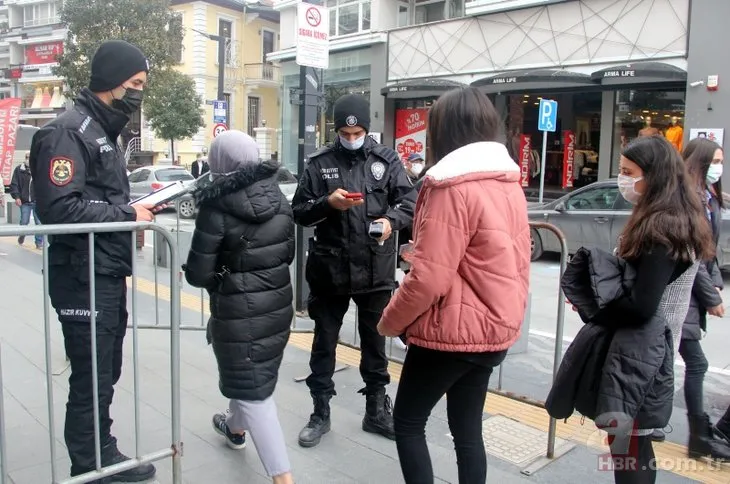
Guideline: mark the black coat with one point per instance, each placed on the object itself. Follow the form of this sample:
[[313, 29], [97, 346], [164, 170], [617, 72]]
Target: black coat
[[611, 368], [704, 294], [342, 258], [21, 185], [80, 176], [241, 251], [196, 171]]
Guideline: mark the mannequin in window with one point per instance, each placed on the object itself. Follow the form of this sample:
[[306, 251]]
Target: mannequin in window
[[648, 129], [675, 133]]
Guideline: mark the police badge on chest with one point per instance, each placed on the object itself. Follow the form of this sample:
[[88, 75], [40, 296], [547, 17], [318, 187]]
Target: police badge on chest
[[377, 169]]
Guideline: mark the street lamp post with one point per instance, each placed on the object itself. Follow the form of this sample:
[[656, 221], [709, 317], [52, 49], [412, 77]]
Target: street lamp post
[[221, 60]]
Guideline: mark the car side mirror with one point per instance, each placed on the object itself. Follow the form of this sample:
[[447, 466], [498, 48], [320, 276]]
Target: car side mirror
[[560, 207]]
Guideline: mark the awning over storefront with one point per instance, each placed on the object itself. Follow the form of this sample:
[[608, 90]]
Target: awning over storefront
[[533, 79], [640, 73], [419, 88]]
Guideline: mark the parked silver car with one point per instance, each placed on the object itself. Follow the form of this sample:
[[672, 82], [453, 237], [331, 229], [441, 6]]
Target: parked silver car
[[594, 216], [147, 179]]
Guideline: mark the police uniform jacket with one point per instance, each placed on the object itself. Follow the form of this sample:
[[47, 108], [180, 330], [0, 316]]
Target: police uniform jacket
[[80, 176], [343, 259]]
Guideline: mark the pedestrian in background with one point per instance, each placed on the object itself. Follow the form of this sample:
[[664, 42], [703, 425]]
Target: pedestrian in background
[[462, 304], [704, 159], [345, 188], [241, 250], [80, 176], [21, 189]]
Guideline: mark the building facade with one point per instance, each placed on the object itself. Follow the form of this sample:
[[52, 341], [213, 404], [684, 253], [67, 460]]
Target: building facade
[[31, 37], [615, 67], [252, 84]]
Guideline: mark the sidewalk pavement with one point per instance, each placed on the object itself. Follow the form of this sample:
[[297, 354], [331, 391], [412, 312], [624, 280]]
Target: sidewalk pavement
[[513, 430]]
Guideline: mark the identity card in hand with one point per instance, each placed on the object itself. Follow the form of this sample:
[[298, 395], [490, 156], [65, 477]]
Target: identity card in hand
[[164, 195]]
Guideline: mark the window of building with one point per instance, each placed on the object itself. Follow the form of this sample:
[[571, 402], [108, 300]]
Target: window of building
[[254, 114], [41, 14], [430, 11], [646, 112], [349, 16], [404, 14], [268, 44], [225, 29]]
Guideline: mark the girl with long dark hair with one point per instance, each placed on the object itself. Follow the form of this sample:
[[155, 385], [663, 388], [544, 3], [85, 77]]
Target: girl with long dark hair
[[704, 160], [663, 240]]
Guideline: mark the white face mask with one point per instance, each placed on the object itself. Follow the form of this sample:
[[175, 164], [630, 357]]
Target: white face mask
[[416, 168], [627, 187], [354, 145], [714, 173]]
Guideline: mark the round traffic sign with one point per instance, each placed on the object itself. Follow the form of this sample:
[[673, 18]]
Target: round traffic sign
[[314, 18], [219, 128]]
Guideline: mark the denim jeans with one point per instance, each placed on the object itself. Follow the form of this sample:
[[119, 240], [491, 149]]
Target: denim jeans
[[26, 210], [427, 376]]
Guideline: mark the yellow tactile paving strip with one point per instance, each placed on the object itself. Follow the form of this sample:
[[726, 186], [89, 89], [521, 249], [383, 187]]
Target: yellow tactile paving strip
[[670, 456]]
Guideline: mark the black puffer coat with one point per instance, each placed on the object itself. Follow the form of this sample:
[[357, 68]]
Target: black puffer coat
[[241, 251], [611, 368]]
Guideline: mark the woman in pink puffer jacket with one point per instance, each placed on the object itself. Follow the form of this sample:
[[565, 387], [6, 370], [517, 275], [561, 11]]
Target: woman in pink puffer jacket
[[462, 304]]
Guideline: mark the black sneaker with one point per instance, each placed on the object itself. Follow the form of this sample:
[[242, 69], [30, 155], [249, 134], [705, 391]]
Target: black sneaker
[[234, 441], [21, 240], [112, 456]]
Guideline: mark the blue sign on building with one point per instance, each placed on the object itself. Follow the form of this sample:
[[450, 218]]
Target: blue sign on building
[[220, 109], [547, 119]]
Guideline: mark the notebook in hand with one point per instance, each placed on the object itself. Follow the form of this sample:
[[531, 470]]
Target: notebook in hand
[[164, 195]]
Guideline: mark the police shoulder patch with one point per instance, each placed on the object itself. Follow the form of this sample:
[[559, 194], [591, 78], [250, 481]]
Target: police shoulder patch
[[378, 170], [61, 171]]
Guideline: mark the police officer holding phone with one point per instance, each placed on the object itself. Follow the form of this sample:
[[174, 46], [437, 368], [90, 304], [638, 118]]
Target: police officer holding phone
[[355, 192], [80, 176]]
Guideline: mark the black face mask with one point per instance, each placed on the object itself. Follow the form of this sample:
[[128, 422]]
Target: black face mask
[[130, 102]]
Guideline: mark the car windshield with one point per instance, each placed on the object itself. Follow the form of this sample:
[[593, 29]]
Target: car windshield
[[173, 174]]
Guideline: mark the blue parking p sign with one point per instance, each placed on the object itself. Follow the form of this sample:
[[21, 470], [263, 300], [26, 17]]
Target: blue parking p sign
[[547, 116]]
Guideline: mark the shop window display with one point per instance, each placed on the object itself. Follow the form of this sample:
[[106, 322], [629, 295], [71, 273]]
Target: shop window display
[[572, 151], [43, 96], [648, 113]]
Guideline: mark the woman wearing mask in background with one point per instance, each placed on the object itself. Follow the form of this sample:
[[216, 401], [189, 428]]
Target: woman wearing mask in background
[[241, 250], [463, 301], [663, 239], [704, 160]]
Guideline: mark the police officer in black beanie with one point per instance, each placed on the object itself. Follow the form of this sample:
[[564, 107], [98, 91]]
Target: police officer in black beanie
[[345, 187], [80, 176]]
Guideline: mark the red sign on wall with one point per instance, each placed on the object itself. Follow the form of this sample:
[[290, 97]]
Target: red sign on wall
[[568, 158], [43, 53], [9, 115], [525, 154], [410, 132]]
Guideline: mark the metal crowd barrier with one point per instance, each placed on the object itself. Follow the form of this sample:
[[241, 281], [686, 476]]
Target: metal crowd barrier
[[174, 451]]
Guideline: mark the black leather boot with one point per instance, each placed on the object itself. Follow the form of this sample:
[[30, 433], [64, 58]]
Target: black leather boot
[[110, 456], [722, 428], [378, 413], [319, 422], [701, 441]]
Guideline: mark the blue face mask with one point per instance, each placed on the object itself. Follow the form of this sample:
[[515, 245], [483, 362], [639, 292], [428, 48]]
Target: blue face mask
[[353, 145]]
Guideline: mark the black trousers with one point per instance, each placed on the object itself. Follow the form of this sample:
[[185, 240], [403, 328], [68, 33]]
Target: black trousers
[[327, 313], [637, 465], [427, 376], [69, 291], [695, 367]]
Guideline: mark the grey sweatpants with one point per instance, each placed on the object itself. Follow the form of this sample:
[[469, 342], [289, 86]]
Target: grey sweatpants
[[261, 421]]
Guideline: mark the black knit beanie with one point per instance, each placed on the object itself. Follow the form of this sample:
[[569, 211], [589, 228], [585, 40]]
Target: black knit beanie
[[114, 62], [352, 110]]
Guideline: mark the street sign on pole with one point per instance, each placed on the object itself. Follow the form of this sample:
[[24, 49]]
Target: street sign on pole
[[220, 109], [218, 129], [547, 120], [313, 30]]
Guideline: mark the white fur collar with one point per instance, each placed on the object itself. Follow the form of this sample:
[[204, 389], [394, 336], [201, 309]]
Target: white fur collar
[[482, 157]]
